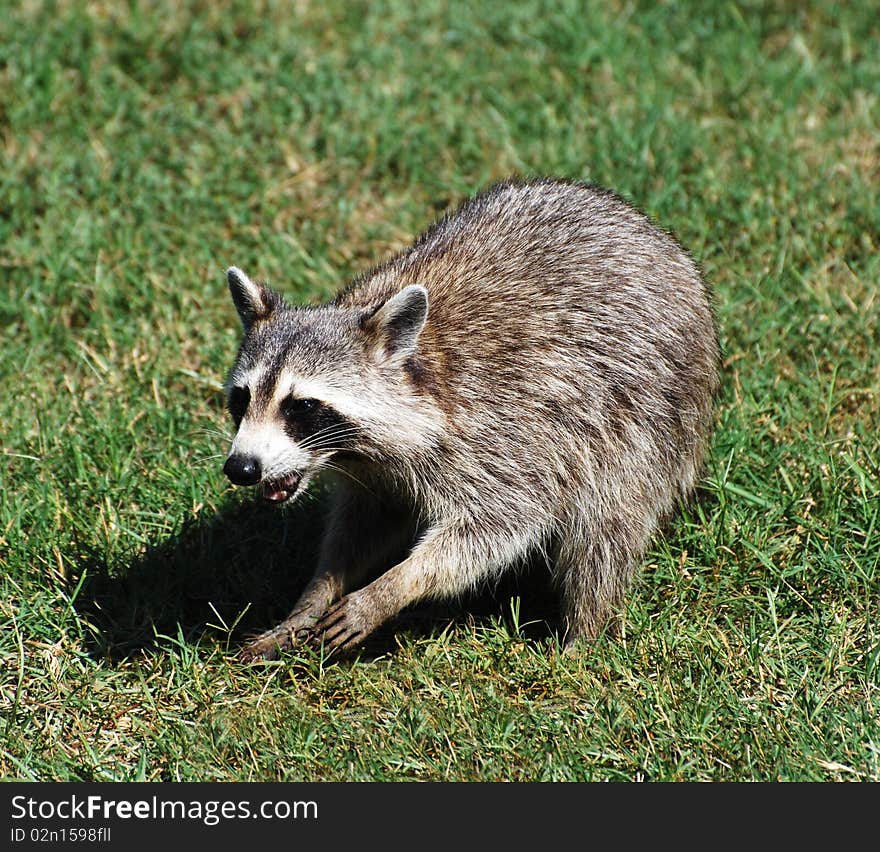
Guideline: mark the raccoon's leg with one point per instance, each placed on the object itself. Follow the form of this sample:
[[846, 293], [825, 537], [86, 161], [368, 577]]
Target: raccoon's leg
[[595, 560], [364, 532], [446, 561]]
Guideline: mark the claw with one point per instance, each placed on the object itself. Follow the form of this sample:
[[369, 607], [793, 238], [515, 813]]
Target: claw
[[348, 644], [262, 649], [267, 646], [299, 626], [331, 638], [332, 617], [327, 623], [344, 625]]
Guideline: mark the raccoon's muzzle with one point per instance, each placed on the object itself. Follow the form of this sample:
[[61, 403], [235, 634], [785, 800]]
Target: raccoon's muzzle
[[246, 470]]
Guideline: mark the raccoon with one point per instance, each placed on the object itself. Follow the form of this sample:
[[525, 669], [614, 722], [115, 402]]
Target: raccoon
[[534, 375]]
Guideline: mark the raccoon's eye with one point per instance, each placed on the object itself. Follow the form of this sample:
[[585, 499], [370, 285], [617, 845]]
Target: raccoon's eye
[[293, 407], [238, 402]]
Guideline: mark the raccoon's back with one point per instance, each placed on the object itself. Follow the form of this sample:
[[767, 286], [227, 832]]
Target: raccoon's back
[[556, 287]]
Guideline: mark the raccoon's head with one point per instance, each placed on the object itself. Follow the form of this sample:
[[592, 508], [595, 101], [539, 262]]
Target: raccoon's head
[[314, 383]]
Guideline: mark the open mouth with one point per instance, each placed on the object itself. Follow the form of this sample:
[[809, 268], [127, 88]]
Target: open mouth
[[279, 490]]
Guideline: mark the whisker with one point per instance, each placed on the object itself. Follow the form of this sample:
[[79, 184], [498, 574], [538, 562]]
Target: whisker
[[327, 434], [217, 432], [328, 429], [332, 441], [341, 425], [333, 428], [204, 459], [324, 433], [330, 449], [350, 475]]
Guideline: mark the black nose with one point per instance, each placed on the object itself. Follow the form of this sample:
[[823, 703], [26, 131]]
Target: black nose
[[243, 470]]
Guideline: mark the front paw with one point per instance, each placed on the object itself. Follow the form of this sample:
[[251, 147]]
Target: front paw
[[266, 647], [347, 623], [298, 627]]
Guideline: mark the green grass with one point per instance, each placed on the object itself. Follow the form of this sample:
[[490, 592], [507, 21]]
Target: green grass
[[145, 148]]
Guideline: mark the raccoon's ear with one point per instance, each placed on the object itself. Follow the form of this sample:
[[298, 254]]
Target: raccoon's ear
[[253, 301], [396, 324]]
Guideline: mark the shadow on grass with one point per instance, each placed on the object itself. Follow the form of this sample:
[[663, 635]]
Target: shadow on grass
[[244, 568]]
